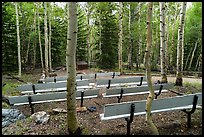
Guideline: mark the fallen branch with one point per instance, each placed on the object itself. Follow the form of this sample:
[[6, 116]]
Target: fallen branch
[[13, 77]]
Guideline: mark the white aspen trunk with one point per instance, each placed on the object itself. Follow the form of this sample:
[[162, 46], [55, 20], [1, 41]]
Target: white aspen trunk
[[172, 38], [39, 37], [71, 76], [67, 37], [150, 97], [188, 58], [46, 39], [182, 48], [130, 45], [197, 62], [120, 42], [167, 45], [34, 46], [179, 80], [162, 42], [18, 41], [189, 66], [88, 36], [50, 37], [27, 52], [140, 39]]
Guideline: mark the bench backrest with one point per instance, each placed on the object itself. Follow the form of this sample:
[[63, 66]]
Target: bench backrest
[[50, 97], [135, 90], [83, 76], [120, 80], [28, 87], [122, 110]]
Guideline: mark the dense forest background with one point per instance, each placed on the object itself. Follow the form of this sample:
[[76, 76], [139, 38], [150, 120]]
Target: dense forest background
[[98, 35]]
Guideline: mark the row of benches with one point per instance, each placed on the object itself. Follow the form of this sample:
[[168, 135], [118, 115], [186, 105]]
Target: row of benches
[[81, 85], [89, 93]]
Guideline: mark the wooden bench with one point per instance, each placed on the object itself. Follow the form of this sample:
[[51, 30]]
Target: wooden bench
[[123, 81], [144, 89], [126, 109], [83, 76], [48, 87], [50, 97]]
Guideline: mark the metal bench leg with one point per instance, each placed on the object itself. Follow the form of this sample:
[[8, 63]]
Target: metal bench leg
[[82, 98], [140, 82], [31, 105], [195, 100], [121, 95], [129, 121]]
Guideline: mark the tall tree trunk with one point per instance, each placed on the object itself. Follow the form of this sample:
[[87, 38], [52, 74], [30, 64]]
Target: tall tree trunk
[[140, 39], [46, 39], [130, 43], [189, 66], [148, 71], [88, 35], [39, 37], [182, 48], [191, 50], [120, 42], [67, 37], [34, 46], [179, 80], [18, 41], [50, 34], [197, 62], [27, 52], [162, 42], [23, 45], [167, 45], [71, 76], [172, 38]]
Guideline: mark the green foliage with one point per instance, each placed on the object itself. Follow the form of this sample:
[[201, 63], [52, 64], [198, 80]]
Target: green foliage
[[109, 37]]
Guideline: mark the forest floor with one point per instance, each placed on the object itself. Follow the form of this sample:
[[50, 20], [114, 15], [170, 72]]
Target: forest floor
[[168, 123]]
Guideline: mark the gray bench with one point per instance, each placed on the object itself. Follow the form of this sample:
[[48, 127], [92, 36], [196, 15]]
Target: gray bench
[[48, 87], [83, 76], [50, 97], [123, 81], [124, 110], [144, 89]]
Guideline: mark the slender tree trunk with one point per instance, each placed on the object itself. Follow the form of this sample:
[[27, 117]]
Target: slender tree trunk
[[71, 76], [39, 37], [189, 66], [50, 37], [162, 42], [197, 62], [182, 48], [140, 40], [18, 41], [46, 39], [130, 43], [191, 50], [167, 46], [27, 52], [172, 38], [120, 42], [67, 37], [148, 71], [34, 46], [179, 80], [88, 35]]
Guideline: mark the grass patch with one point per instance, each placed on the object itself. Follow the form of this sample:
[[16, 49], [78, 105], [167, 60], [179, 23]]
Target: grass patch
[[10, 89]]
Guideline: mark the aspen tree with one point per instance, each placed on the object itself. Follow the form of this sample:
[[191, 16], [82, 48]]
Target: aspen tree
[[179, 79], [71, 76], [18, 41], [120, 42], [148, 71]]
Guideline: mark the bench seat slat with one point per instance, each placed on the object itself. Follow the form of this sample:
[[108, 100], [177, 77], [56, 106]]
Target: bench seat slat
[[28, 87], [171, 103], [135, 90], [50, 96]]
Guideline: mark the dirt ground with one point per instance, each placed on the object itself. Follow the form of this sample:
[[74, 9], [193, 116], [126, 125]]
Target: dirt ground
[[168, 123]]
